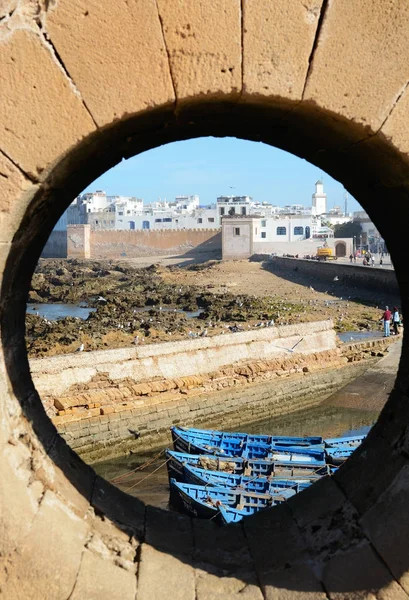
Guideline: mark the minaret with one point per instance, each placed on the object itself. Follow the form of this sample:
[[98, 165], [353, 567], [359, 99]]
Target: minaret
[[319, 199]]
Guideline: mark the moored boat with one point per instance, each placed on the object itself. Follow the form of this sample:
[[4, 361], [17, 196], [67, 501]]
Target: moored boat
[[351, 441], [238, 466], [238, 447], [204, 501], [258, 483]]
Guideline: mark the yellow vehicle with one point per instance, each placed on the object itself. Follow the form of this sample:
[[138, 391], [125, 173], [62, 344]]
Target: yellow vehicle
[[325, 253]]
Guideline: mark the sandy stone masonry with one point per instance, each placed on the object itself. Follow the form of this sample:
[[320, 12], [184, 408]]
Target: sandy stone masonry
[[85, 84]]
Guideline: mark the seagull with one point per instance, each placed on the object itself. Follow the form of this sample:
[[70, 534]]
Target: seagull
[[136, 340], [311, 288], [203, 333], [80, 349], [102, 299], [336, 278]]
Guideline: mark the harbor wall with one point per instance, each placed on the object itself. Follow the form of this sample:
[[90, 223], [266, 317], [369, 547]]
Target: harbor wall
[[182, 358], [118, 402], [373, 278]]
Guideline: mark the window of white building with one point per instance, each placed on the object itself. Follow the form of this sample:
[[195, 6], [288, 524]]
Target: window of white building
[[264, 223], [236, 230], [200, 220], [222, 211], [211, 219], [298, 230], [281, 230], [263, 234]]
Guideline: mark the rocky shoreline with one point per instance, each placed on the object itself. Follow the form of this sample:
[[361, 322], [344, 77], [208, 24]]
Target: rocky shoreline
[[148, 305]]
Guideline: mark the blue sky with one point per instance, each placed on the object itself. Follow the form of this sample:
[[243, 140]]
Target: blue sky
[[211, 167]]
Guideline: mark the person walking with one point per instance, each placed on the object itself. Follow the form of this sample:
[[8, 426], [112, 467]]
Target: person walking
[[386, 318], [395, 321], [351, 258]]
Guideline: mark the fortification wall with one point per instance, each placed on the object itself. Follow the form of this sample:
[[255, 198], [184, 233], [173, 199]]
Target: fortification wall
[[134, 243], [56, 246], [355, 276]]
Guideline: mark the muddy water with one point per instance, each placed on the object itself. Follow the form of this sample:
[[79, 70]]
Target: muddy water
[[151, 484]]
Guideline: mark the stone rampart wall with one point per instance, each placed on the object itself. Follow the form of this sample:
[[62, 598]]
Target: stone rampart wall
[[182, 358], [114, 244], [56, 246], [357, 276]]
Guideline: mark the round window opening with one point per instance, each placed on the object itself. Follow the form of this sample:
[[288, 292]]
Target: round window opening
[[361, 481]]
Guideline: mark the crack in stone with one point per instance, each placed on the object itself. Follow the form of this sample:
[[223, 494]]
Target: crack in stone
[[58, 60], [321, 17], [167, 53], [261, 588], [28, 176], [398, 97]]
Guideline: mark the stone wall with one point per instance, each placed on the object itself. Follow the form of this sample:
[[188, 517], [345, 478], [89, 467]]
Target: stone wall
[[129, 425], [116, 244], [355, 276], [56, 246], [183, 358]]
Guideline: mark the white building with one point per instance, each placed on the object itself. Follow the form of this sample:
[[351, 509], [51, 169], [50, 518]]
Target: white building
[[319, 199]]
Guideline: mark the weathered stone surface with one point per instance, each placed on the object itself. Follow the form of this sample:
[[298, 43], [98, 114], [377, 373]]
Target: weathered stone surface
[[58, 534], [360, 575], [15, 193], [386, 525], [56, 119], [159, 572], [365, 83], [101, 578], [127, 70], [204, 60], [282, 546], [272, 65], [226, 586], [292, 583], [221, 546], [179, 531], [18, 506]]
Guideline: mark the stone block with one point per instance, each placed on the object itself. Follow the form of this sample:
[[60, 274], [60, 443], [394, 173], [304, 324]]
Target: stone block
[[362, 478], [386, 524], [58, 533], [159, 571], [128, 33], [203, 59], [355, 86], [220, 546], [57, 118], [291, 583], [13, 185], [283, 545], [179, 533], [359, 574], [119, 507], [226, 586], [100, 578]]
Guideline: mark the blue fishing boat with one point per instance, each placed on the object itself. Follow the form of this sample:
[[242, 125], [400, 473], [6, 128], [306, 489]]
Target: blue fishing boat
[[351, 441], [257, 484], [239, 447], [338, 450], [230, 515], [179, 433], [176, 462], [204, 502]]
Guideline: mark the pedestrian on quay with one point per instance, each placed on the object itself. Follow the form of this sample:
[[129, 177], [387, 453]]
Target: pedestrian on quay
[[386, 318], [395, 320], [351, 258], [372, 261]]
